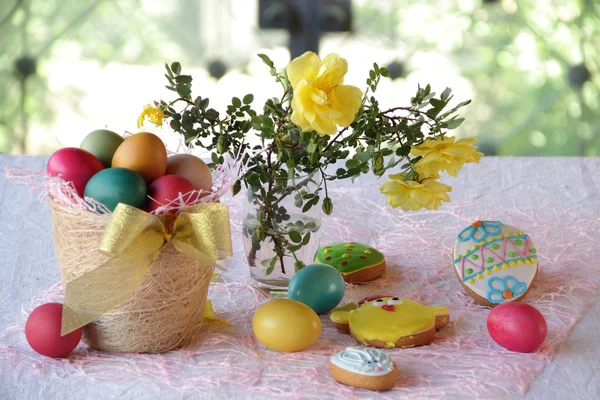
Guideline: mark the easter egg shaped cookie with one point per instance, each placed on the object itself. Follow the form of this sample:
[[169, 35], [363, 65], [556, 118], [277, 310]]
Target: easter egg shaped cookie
[[356, 262], [387, 321], [496, 263]]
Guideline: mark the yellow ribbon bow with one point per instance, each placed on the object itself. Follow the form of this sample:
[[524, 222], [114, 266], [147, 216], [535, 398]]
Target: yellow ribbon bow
[[133, 239]]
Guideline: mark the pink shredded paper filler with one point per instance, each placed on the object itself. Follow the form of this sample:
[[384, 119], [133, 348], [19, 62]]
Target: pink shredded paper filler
[[462, 361]]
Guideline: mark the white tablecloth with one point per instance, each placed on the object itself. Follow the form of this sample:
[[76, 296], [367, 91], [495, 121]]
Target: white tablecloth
[[28, 268]]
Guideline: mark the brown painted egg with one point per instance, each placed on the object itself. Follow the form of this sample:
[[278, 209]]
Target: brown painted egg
[[143, 153], [191, 168]]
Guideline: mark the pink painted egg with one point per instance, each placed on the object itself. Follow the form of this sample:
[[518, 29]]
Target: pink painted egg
[[74, 165], [167, 188], [42, 331], [517, 327]]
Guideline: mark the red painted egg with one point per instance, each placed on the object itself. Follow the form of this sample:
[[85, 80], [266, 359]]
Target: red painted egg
[[42, 331], [74, 165], [166, 189], [517, 327]]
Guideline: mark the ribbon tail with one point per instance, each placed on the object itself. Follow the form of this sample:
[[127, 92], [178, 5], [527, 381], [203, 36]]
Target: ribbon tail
[[209, 315], [90, 296]]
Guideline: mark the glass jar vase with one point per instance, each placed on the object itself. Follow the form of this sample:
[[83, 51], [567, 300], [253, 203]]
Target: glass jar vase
[[281, 228]]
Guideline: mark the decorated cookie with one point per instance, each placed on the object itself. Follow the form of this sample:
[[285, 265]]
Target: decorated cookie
[[356, 262], [387, 321], [364, 368], [496, 263]]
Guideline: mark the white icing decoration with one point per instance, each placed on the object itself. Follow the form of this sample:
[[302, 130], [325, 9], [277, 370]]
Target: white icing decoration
[[367, 361], [521, 272], [394, 301]]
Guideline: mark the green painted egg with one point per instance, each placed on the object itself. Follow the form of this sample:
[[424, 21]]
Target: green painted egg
[[319, 286], [112, 186], [102, 143]]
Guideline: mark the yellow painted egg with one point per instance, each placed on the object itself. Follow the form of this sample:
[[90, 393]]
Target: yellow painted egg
[[143, 153], [286, 325], [191, 168]]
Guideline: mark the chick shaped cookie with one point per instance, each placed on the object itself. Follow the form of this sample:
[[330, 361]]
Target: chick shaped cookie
[[386, 321]]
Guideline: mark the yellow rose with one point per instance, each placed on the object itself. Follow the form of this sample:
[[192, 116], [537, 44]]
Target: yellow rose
[[154, 114], [445, 155], [412, 195], [321, 101]]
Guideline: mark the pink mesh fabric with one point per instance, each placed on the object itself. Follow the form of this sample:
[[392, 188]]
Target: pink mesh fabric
[[462, 361]]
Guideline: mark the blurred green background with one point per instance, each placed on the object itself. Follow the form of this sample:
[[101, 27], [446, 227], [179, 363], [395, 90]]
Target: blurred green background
[[68, 67]]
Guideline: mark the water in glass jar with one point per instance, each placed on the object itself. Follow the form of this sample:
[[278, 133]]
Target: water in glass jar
[[280, 277]]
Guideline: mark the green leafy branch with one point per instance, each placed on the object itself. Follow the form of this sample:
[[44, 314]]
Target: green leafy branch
[[289, 162]]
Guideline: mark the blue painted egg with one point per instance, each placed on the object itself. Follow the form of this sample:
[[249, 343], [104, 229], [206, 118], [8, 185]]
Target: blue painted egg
[[319, 286], [112, 186]]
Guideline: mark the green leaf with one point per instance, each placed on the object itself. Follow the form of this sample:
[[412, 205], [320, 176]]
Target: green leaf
[[295, 237], [384, 72], [249, 98], [203, 104], [252, 178], [298, 265], [175, 125], [236, 102], [184, 91], [306, 239], [212, 114], [445, 94], [294, 247], [307, 206], [176, 68], [260, 232], [237, 186], [352, 163], [266, 60], [455, 123], [183, 79], [269, 270]]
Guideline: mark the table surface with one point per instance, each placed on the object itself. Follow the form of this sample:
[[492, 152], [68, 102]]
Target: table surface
[[28, 268]]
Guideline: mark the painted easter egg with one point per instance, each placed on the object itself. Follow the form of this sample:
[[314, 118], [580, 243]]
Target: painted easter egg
[[74, 165], [117, 185], [496, 263], [191, 168], [102, 143], [286, 325], [143, 153], [168, 188], [42, 331], [319, 286], [517, 327]]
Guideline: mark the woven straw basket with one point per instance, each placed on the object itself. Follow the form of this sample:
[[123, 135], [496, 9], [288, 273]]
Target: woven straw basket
[[166, 310]]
